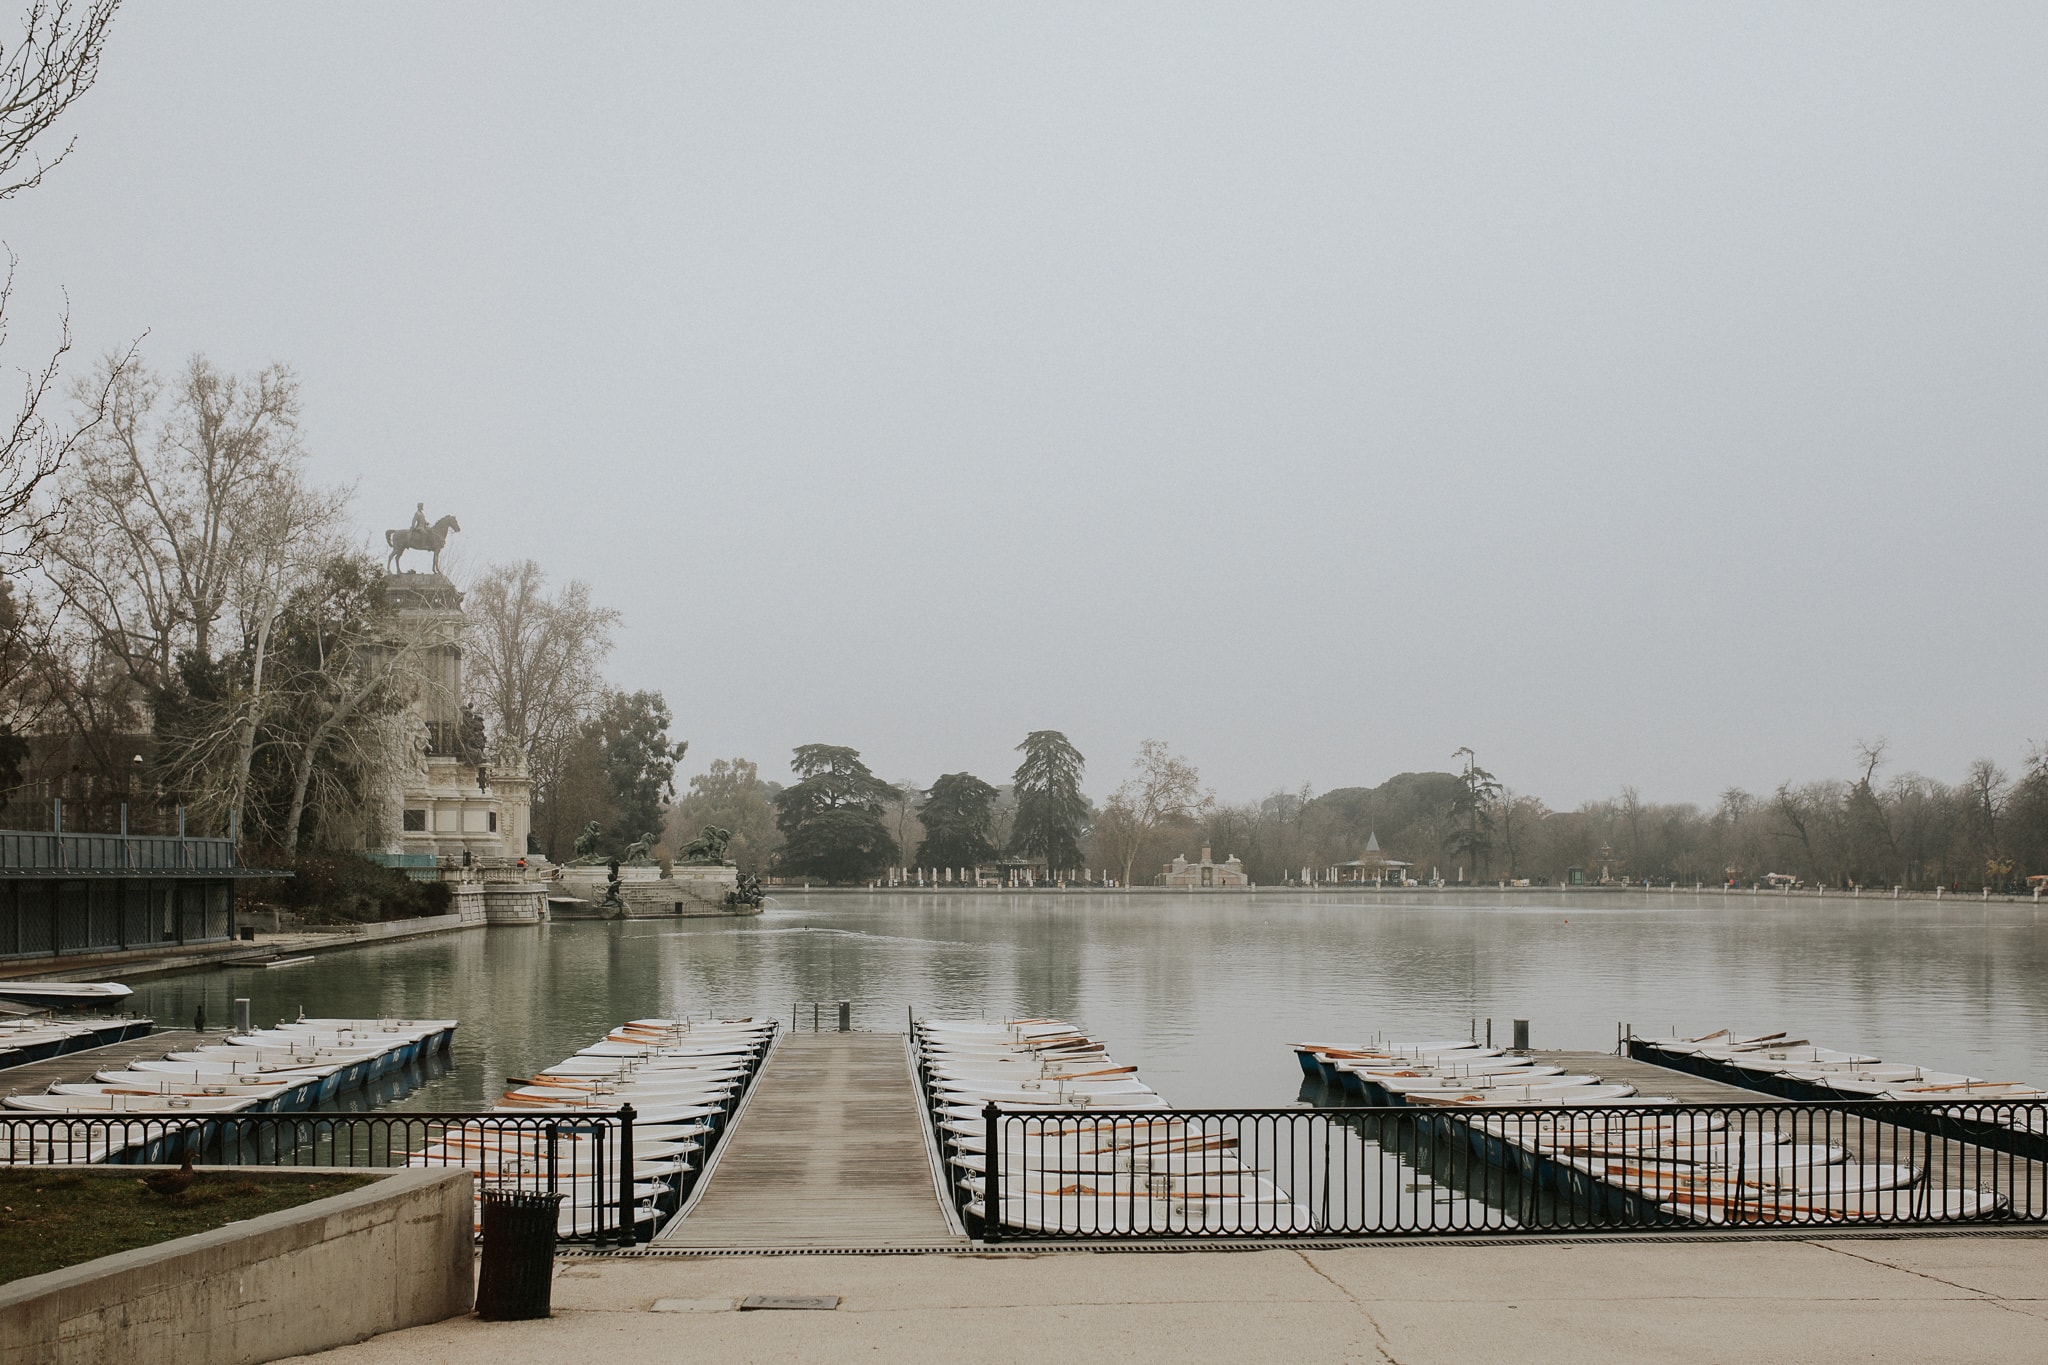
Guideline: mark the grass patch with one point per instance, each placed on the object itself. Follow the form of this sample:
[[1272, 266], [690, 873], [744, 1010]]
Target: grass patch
[[51, 1217]]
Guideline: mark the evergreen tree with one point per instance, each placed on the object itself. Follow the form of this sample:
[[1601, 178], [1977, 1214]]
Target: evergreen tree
[[1472, 803], [634, 752], [958, 814], [1052, 815], [831, 819]]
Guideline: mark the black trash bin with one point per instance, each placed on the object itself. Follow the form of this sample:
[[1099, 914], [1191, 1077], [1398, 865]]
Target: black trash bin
[[519, 1254]]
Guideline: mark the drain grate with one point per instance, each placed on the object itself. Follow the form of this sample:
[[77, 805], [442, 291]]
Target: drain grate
[[812, 1302]]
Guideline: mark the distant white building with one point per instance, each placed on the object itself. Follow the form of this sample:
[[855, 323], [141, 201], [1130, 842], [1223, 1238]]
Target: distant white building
[[1208, 872]]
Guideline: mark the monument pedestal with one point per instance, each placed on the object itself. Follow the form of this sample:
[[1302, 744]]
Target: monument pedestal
[[688, 890], [691, 889]]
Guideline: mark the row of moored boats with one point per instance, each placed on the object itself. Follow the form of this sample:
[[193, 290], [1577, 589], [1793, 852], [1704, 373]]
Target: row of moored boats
[[1136, 1168], [298, 1065], [38, 1038], [1458, 1075], [1602, 1141], [1780, 1064], [682, 1078]]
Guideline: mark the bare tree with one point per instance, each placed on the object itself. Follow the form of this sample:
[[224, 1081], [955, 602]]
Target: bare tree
[[533, 674], [900, 813], [1986, 787], [53, 63], [1516, 816], [357, 676], [1630, 807], [1164, 787], [170, 497], [293, 532]]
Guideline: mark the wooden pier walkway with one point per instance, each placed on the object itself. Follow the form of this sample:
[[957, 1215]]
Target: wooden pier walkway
[[829, 1152], [36, 1077]]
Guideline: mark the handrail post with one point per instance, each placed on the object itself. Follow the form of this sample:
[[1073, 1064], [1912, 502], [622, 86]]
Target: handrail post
[[992, 1181], [628, 1230]]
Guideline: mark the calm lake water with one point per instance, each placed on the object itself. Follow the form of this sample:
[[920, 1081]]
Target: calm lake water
[[1206, 993]]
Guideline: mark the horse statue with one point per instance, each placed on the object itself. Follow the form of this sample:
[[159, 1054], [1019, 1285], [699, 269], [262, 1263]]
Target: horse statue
[[416, 537]]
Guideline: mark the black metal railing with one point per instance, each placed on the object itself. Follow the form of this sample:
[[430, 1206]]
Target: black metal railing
[[587, 1158], [46, 852], [948, 1135], [1191, 1174]]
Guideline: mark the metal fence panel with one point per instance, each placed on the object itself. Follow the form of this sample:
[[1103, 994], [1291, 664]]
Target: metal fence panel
[[575, 1155], [1194, 1174]]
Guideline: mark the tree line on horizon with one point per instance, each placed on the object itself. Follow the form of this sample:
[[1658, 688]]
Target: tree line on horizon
[[841, 823]]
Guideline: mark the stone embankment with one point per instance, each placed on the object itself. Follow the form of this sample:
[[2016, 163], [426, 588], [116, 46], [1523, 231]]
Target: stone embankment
[[147, 963]]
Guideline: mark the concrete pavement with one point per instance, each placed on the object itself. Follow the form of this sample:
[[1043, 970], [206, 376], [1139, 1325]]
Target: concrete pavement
[[1954, 1299]]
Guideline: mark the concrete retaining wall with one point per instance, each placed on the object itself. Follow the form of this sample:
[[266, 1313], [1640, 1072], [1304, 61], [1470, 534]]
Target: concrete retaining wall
[[414, 928], [396, 1253]]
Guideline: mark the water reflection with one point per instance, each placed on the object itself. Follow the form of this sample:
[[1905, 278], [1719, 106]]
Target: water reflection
[[1207, 993]]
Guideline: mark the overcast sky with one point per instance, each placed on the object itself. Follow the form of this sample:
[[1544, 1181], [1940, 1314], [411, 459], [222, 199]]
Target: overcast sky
[[1637, 394]]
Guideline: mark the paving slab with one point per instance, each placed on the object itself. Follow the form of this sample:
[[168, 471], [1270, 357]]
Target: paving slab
[[1592, 1271], [1580, 1303], [1611, 1332], [1983, 1264]]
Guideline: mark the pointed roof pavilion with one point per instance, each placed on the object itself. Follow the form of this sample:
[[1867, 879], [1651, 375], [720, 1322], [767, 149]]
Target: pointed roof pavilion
[[1374, 862]]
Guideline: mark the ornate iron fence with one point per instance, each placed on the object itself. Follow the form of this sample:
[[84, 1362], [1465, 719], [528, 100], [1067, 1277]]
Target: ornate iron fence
[[1193, 1174], [587, 1158]]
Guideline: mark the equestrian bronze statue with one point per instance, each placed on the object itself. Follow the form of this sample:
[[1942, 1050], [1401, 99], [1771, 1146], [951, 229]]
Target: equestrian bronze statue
[[420, 536]]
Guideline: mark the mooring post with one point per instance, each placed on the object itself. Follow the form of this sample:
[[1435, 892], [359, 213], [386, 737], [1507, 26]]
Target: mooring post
[[846, 1016], [1521, 1035], [992, 1184], [242, 1015], [1489, 1030], [628, 1230]]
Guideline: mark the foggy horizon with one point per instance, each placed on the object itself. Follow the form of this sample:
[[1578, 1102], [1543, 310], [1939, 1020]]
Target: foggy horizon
[[1639, 397]]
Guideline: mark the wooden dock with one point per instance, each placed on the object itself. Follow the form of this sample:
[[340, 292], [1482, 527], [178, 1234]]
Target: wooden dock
[[36, 1077], [829, 1152]]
